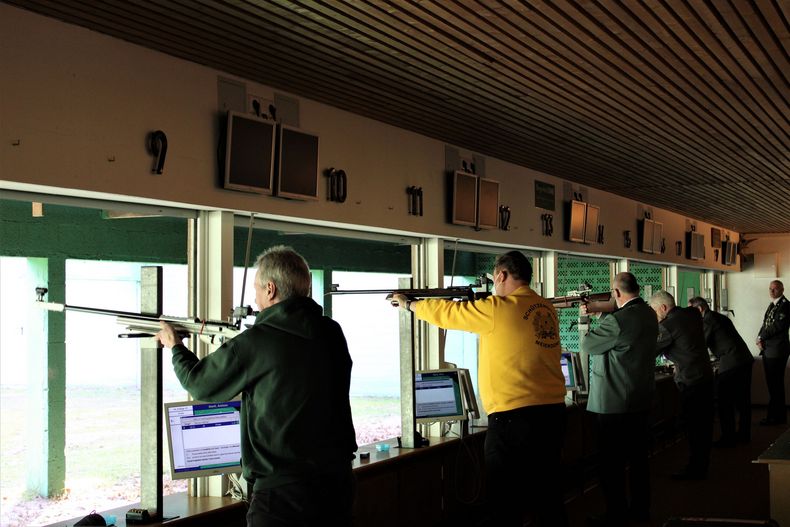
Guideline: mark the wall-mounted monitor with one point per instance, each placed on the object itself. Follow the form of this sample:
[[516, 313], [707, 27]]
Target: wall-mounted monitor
[[204, 439], [463, 198], [645, 232], [582, 221], [695, 245], [591, 223], [729, 252], [488, 204], [249, 151], [438, 396], [658, 237], [577, 217], [297, 164], [650, 235]]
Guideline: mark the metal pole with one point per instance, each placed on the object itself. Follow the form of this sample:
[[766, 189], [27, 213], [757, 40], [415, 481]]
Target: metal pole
[[151, 399], [407, 408]]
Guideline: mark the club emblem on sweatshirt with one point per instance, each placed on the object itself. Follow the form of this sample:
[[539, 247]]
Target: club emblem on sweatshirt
[[544, 324]]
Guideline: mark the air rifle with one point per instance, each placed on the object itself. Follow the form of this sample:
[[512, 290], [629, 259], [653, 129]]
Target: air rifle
[[595, 302], [140, 325], [461, 292]]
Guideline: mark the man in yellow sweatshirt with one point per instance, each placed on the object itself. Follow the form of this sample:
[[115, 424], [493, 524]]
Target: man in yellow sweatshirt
[[522, 388]]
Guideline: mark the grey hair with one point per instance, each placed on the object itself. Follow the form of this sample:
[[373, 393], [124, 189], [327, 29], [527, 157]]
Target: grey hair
[[662, 298], [286, 268]]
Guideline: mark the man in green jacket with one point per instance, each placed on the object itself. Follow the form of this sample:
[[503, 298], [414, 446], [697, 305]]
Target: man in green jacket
[[292, 369], [622, 381]]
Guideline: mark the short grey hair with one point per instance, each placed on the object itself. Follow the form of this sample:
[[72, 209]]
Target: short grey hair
[[286, 268], [662, 298]]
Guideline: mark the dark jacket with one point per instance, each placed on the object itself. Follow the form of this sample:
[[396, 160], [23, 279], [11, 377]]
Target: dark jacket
[[623, 360], [774, 330], [681, 339], [293, 370], [724, 341]]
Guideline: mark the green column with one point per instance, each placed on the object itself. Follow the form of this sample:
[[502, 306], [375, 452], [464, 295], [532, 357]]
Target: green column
[[46, 352]]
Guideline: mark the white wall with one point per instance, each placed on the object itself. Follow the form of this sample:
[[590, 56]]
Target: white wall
[[76, 107], [748, 296]]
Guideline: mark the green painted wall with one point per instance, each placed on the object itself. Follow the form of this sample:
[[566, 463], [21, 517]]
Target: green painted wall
[[570, 273], [71, 232], [326, 252], [647, 274]]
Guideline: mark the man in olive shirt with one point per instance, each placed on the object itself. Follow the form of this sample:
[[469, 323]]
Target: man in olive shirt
[[622, 382], [734, 375], [681, 339], [522, 388]]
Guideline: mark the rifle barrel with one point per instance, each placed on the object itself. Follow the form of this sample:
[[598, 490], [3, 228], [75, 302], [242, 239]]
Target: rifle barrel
[[54, 306]]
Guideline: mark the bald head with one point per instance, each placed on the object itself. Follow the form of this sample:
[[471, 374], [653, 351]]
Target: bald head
[[776, 289], [625, 288]]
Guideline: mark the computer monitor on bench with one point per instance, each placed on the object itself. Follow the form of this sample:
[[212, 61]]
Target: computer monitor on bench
[[204, 439]]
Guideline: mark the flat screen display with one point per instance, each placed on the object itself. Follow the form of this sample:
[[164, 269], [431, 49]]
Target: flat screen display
[[488, 199], [249, 153], [298, 164], [204, 439], [464, 199], [658, 237], [591, 224], [647, 234], [437, 396], [578, 213], [566, 363]]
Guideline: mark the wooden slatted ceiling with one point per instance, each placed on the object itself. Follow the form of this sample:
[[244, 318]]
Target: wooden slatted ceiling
[[678, 104]]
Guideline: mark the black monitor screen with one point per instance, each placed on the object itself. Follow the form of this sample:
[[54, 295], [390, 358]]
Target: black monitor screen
[[298, 164], [249, 153]]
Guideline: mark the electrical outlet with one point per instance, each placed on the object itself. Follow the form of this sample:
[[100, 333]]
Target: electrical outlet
[[264, 104]]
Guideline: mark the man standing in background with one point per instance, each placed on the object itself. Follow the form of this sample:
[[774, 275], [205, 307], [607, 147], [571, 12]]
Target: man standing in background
[[775, 349], [622, 382], [681, 339], [734, 375], [522, 388]]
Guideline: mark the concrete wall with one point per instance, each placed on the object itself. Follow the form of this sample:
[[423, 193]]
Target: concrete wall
[[77, 106]]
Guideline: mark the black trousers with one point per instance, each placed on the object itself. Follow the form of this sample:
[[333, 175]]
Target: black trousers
[[523, 472], [623, 440], [775, 379], [734, 394], [696, 416], [320, 501]]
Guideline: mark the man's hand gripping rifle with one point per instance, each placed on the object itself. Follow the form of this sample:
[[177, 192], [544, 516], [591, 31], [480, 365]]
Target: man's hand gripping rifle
[[140, 325]]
